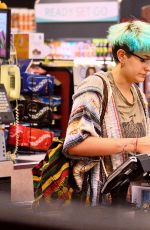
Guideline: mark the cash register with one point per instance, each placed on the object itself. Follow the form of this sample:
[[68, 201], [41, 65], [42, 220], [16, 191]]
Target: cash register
[[137, 167]]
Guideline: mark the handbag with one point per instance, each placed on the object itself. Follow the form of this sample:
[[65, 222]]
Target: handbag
[[51, 176]]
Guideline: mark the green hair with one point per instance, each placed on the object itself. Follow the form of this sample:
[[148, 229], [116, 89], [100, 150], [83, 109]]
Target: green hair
[[134, 34]]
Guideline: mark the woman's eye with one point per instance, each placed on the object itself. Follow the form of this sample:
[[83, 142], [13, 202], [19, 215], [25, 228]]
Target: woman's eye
[[143, 60]]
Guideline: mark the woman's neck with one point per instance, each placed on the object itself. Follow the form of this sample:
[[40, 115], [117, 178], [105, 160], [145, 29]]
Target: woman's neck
[[122, 84], [120, 79]]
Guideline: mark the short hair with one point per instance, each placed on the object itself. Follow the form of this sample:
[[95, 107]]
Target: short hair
[[133, 36]]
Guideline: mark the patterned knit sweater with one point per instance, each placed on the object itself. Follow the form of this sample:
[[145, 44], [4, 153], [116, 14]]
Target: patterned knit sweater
[[85, 121]]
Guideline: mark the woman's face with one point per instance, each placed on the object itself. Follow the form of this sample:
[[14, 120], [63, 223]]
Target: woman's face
[[137, 66], [91, 71]]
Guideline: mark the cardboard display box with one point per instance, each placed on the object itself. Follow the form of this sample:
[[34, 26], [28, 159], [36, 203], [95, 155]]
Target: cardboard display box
[[29, 45]]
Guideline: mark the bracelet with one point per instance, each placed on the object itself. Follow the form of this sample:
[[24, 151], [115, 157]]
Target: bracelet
[[135, 147]]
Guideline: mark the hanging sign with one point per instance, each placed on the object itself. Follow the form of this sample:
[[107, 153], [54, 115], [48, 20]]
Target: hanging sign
[[77, 12]]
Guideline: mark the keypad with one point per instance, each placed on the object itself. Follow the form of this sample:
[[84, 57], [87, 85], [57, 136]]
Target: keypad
[[4, 106]]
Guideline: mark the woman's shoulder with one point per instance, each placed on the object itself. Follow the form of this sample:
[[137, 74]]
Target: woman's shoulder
[[93, 82]]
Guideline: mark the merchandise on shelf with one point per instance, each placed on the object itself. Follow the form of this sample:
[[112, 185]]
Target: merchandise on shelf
[[31, 138], [37, 111], [30, 45], [70, 49], [23, 20], [37, 84]]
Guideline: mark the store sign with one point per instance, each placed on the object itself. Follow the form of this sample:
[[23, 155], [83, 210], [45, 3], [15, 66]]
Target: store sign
[[77, 12]]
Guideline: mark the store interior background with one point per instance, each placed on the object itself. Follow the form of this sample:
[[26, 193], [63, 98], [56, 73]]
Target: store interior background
[[73, 30], [81, 30]]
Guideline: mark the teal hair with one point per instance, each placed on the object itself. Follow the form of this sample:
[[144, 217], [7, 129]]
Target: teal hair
[[135, 35]]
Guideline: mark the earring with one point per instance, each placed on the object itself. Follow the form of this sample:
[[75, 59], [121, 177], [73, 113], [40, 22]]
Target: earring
[[122, 64]]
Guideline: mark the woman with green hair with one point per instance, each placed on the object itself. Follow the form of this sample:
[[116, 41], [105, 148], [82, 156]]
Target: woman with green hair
[[99, 144]]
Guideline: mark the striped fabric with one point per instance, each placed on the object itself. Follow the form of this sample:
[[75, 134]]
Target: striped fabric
[[50, 176]]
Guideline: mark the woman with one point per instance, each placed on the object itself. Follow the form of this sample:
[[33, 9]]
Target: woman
[[99, 147]]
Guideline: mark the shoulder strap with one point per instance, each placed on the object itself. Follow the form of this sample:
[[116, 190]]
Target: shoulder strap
[[140, 96], [105, 99]]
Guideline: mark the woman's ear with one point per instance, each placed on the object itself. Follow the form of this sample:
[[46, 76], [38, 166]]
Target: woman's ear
[[121, 55]]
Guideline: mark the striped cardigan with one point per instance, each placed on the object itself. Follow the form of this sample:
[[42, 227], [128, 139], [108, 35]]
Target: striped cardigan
[[85, 121]]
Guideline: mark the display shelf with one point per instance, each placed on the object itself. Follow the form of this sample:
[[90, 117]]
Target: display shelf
[[33, 125]]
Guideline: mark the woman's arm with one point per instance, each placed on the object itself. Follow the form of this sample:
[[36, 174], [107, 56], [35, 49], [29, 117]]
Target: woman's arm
[[95, 146]]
